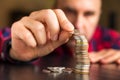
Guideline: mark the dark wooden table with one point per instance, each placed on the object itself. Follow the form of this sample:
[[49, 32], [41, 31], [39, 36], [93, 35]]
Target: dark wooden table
[[34, 72]]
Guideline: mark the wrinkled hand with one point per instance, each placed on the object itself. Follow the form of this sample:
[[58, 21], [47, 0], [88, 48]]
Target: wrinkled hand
[[39, 34], [105, 56]]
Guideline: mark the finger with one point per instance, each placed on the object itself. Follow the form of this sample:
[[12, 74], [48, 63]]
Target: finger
[[118, 61], [112, 57], [101, 55], [65, 36], [48, 18], [52, 45], [36, 28], [19, 32], [96, 56], [63, 21]]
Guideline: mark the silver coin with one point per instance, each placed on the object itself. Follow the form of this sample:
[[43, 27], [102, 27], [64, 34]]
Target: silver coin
[[56, 69]]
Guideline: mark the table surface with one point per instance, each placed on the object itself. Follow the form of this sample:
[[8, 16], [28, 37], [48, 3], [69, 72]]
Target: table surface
[[34, 72]]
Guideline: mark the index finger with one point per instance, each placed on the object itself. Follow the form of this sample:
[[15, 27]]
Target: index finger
[[49, 19], [63, 21]]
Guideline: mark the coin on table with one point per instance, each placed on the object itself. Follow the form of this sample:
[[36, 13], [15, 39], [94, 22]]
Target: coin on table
[[56, 69]]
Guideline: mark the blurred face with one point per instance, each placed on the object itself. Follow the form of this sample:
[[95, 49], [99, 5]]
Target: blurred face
[[84, 14]]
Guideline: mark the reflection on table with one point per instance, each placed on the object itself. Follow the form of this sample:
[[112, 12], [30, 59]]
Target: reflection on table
[[34, 72]]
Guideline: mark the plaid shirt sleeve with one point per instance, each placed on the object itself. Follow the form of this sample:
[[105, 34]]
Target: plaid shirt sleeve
[[5, 36], [104, 38], [5, 45]]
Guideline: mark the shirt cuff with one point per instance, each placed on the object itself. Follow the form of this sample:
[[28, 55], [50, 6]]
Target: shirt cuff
[[5, 55]]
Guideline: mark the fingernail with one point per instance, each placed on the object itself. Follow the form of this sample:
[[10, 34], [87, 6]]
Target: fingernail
[[103, 61], [92, 59], [54, 38], [70, 27]]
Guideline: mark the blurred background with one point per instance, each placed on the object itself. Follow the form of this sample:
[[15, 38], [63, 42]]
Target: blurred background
[[13, 10]]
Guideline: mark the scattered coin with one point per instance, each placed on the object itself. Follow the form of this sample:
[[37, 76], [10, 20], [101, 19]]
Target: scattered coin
[[57, 70], [68, 70]]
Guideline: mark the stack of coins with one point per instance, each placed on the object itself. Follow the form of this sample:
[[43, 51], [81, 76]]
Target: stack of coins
[[81, 53]]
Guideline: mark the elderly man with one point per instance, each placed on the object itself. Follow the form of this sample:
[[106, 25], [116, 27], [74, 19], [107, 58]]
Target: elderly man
[[49, 31]]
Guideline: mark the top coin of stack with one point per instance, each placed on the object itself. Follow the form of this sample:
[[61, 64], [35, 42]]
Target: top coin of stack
[[81, 53]]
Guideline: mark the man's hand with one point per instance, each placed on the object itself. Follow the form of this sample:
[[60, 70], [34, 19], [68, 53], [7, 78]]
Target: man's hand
[[39, 34], [105, 56]]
